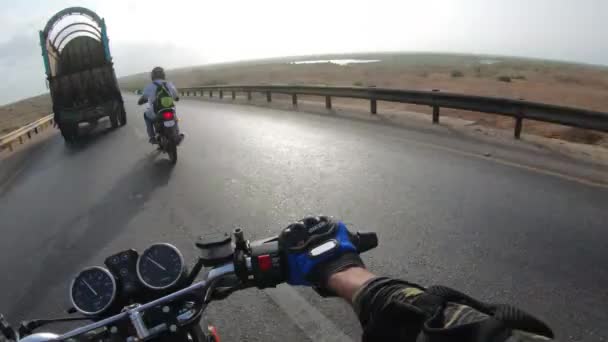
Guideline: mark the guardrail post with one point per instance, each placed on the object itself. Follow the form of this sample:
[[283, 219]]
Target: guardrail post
[[221, 94], [519, 122], [248, 95], [294, 99], [328, 102], [233, 95], [435, 110], [268, 97], [518, 125], [373, 106]]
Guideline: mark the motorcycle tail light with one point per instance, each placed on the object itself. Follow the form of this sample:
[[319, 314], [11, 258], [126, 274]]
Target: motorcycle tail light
[[168, 115]]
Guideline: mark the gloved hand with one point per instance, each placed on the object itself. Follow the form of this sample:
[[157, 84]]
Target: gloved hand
[[316, 248]]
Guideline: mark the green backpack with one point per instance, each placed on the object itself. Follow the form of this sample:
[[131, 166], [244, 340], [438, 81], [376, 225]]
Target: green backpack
[[164, 99]]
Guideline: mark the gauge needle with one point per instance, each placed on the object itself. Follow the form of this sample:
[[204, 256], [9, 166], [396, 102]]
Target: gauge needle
[[89, 286], [156, 263]]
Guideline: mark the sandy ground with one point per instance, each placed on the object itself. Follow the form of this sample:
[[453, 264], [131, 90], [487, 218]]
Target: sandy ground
[[18, 114]]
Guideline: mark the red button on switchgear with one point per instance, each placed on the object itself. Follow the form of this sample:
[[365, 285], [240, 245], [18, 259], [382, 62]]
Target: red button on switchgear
[[265, 262]]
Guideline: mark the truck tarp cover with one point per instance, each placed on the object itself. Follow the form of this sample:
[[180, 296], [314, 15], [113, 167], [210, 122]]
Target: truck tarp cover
[[77, 59]]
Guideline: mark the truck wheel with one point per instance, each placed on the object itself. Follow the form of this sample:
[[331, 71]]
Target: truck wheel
[[123, 116], [114, 120], [69, 132]]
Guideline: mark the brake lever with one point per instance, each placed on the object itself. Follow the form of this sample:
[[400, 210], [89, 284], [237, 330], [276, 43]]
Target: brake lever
[[263, 241]]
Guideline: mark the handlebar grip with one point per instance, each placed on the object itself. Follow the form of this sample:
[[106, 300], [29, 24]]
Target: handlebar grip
[[365, 241]]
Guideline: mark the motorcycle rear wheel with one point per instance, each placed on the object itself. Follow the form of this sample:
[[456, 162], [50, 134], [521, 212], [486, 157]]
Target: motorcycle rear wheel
[[172, 152]]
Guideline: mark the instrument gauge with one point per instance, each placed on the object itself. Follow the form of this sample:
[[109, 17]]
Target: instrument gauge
[[161, 266], [93, 290]]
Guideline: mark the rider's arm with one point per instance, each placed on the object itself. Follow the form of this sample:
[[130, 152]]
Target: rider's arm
[[348, 282], [173, 91], [391, 309], [146, 93], [320, 253]]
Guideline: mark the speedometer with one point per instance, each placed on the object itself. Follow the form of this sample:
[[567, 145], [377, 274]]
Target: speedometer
[[93, 290], [160, 266]]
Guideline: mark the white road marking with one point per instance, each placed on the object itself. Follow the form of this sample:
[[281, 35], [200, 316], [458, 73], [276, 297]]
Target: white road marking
[[499, 160], [313, 323]]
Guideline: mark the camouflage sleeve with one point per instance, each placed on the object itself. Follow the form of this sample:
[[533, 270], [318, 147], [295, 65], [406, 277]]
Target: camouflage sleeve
[[396, 310]]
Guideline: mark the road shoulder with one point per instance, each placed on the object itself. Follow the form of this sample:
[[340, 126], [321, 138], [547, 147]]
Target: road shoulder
[[576, 162], [22, 157]]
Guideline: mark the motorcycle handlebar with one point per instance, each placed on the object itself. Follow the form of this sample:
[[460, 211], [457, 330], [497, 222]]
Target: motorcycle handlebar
[[255, 264], [262, 264]]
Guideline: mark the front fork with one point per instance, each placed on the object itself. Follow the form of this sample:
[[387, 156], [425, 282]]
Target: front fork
[[198, 334]]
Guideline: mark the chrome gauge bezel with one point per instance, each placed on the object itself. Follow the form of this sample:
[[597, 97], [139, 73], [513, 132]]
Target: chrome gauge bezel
[[175, 281], [110, 302]]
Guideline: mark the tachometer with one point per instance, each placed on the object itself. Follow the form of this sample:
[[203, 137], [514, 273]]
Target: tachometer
[[160, 266], [93, 290]]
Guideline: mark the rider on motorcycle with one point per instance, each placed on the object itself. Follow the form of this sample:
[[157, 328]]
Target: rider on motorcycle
[[149, 95], [391, 309]]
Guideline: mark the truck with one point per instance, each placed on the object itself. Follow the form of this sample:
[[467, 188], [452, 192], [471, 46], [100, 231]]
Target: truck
[[80, 72]]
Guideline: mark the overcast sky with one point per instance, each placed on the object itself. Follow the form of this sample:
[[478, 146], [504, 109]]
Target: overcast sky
[[176, 33]]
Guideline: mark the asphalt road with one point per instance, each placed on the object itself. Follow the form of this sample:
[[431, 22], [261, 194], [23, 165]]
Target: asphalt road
[[444, 215]]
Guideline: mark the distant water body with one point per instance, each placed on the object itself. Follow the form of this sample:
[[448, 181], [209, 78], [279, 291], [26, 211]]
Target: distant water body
[[338, 61]]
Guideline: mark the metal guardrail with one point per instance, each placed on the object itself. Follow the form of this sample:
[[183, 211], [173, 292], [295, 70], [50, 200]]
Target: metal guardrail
[[35, 127], [518, 109]]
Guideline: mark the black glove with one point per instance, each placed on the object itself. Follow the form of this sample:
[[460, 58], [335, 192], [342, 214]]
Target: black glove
[[316, 248]]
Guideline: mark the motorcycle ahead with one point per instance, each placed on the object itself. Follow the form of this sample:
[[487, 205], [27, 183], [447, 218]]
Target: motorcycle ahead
[[167, 134], [152, 296]]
